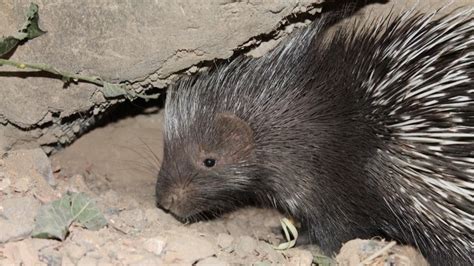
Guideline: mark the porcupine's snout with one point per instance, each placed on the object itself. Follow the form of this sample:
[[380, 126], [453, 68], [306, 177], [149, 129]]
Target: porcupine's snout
[[171, 199]]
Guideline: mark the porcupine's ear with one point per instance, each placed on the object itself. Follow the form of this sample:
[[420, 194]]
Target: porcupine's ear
[[235, 134]]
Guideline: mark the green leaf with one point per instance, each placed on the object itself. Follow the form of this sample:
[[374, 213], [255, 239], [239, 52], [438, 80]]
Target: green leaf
[[86, 212], [7, 44], [53, 219], [28, 31], [31, 27], [32, 11]]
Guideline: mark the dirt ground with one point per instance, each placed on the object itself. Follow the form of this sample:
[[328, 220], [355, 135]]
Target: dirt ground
[[117, 165]]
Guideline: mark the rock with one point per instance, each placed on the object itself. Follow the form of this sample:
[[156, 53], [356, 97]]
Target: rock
[[75, 251], [17, 219], [154, 245], [31, 170], [356, 251], [267, 251], [299, 257], [21, 185], [90, 240], [20, 253], [5, 182], [77, 183], [133, 218], [50, 257], [27, 161], [235, 228], [245, 245], [187, 249], [224, 241]]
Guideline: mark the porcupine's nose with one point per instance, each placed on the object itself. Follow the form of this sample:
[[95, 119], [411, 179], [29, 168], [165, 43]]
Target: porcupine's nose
[[169, 202]]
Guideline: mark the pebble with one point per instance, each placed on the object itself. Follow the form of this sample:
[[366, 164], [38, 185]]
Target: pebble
[[21, 253], [267, 251], [154, 245], [134, 218], [299, 257], [5, 182], [91, 241], [51, 257], [245, 245], [32, 164], [224, 241], [193, 69], [76, 128], [187, 249], [236, 229], [77, 183], [17, 219], [154, 77], [21, 185], [75, 251]]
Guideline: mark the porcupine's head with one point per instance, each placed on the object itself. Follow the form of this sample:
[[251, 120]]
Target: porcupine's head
[[208, 155], [218, 125]]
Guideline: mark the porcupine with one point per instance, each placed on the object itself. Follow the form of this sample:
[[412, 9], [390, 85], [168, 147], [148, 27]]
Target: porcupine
[[369, 132]]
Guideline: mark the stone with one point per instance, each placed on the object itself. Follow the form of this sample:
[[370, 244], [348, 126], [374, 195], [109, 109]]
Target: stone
[[5, 182], [224, 241], [299, 257], [154, 245], [21, 185], [245, 245], [21, 253], [17, 218], [187, 249]]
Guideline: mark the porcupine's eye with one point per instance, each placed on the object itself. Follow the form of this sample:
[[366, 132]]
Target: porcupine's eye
[[209, 162]]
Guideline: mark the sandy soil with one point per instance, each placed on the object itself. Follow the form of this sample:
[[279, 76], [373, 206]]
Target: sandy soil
[[117, 165]]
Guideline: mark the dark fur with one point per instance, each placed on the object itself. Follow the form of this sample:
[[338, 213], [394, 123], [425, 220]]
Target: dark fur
[[303, 130]]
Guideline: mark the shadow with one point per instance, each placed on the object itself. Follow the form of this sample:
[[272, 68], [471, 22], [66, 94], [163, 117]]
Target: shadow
[[117, 112], [129, 109], [11, 52], [30, 74]]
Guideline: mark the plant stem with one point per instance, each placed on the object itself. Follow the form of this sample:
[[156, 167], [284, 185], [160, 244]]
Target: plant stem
[[94, 80], [122, 91]]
